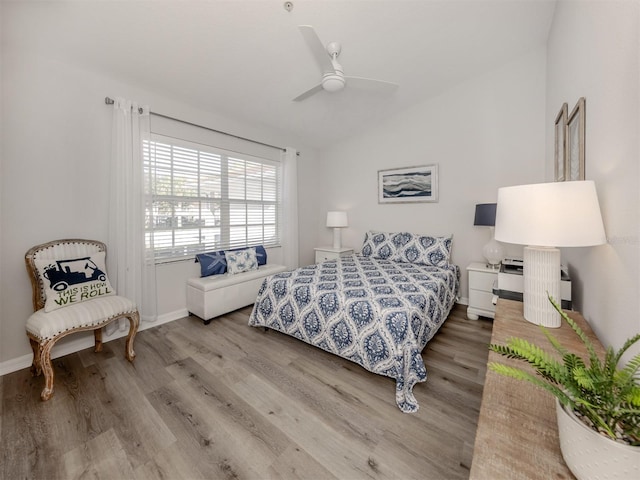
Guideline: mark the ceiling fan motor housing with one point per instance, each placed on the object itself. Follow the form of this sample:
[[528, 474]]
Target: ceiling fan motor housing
[[334, 49]]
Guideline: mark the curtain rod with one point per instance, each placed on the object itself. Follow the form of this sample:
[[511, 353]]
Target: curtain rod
[[109, 101]]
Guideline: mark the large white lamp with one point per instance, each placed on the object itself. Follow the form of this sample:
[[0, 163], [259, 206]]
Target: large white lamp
[[337, 220], [486, 216], [544, 216]]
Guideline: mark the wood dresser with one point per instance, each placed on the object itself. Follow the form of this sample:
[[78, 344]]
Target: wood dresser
[[517, 436]]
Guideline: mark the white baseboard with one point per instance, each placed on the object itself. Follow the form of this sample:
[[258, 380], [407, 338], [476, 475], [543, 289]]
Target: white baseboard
[[168, 317], [75, 345], [463, 301], [15, 364]]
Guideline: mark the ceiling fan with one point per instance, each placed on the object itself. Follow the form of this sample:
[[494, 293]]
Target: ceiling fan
[[333, 78]]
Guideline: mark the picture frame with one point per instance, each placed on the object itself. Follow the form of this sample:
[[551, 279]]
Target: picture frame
[[560, 148], [575, 139], [408, 185]]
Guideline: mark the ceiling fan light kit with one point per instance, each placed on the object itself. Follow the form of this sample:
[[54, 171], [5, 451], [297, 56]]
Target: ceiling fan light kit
[[333, 78], [332, 82]]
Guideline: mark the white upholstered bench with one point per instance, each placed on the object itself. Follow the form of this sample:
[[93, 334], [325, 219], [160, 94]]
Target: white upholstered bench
[[209, 297]]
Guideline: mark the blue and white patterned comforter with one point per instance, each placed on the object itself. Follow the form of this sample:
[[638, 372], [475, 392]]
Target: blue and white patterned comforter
[[376, 313]]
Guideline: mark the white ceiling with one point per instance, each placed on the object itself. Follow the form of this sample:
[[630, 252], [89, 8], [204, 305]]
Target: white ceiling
[[248, 60]]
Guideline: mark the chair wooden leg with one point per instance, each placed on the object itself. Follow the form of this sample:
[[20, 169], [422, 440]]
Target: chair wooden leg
[[36, 369], [134, 322], [47, 369], [97, 334]]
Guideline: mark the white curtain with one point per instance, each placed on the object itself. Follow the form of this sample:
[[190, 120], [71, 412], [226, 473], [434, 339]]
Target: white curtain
[[290, 207], [130, 264]]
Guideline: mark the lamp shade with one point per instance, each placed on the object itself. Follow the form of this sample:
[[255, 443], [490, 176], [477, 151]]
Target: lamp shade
[[485, 214], [559, 214], [337, 219]]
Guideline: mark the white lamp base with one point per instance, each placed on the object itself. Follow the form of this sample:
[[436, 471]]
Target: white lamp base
[[337, 238], [541, 279], [493, 252]]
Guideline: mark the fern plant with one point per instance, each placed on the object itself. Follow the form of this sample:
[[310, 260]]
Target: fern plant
[[605, 396]]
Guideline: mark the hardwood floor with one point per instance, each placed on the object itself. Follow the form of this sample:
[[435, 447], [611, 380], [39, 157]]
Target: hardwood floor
[[230, 401]]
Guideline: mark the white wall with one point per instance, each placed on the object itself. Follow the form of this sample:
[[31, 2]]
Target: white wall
[[484, 133], [593, 52], [56, 146], [1, 160]]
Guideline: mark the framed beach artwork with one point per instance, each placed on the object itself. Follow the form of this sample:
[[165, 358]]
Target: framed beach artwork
[[408, 185], [575, 138]]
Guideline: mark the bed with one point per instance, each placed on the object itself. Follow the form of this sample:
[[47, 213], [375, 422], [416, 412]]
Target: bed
[[378, 308]]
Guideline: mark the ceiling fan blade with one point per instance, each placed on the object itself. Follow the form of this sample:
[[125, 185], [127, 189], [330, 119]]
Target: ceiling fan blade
[[317, 48], [371, 84], [308, 93]]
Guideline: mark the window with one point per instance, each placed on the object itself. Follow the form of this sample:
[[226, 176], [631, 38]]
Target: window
[[204, 198]]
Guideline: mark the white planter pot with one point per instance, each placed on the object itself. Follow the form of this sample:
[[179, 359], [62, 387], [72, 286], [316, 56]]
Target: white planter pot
[[590, 455]]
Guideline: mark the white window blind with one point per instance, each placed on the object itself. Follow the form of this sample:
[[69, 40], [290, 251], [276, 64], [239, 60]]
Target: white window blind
[[204, 198]]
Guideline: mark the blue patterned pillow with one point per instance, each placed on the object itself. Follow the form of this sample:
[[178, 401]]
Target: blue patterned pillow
[[215, 263], [408, 247], [212, 263], [239, 261], [425, 250], [377, 245]]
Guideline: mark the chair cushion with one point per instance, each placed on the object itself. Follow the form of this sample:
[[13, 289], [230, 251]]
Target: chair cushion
[[45, 325], [215, 282]]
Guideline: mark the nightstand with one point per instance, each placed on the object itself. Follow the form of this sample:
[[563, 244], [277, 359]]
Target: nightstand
[[330, 253], [481, 282]]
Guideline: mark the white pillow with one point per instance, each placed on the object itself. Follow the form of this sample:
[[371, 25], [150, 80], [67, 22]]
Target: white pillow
[[71, 281], [239, 261]]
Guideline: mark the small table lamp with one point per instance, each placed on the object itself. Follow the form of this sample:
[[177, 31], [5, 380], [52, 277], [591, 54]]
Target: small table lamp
[[337, 220], [486, 216], [544, 216]]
